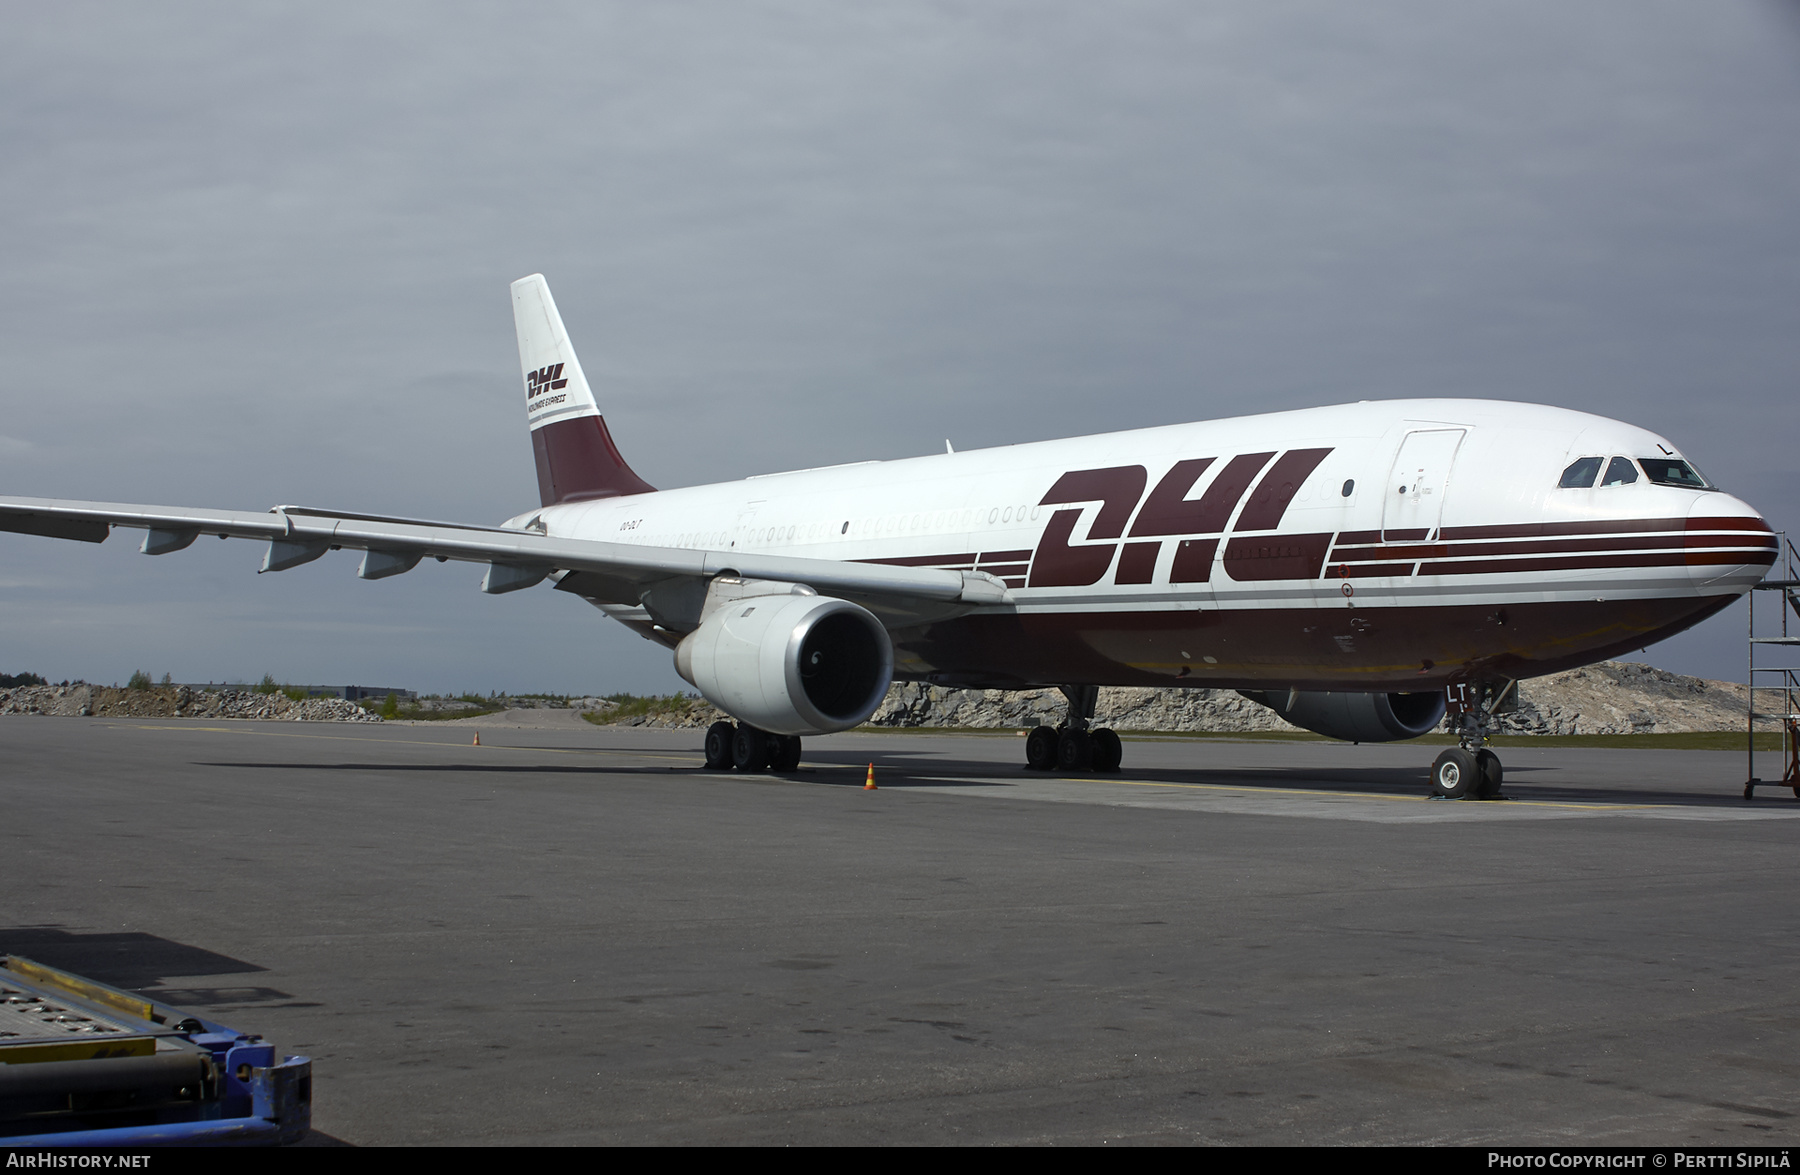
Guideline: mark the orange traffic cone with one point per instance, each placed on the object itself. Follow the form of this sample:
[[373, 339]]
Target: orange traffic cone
[[869, 784], [477, 741]]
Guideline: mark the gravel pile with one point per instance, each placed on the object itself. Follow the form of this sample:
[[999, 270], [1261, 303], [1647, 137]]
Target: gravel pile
[[1612, 697], [99, 701]]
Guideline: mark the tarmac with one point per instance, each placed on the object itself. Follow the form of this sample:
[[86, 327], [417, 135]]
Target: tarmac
[[578, 935]]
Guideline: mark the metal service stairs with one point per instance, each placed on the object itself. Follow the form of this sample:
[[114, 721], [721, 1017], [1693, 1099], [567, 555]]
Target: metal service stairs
[[1780, 698]]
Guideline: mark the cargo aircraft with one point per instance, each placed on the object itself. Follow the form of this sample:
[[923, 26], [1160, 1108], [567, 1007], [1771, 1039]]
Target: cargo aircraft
[[1360, 568]]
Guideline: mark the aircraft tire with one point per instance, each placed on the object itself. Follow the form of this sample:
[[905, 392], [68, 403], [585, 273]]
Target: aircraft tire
[[784, 752], [1040, 748], [1455, 775], [1109, 752], [1074, 751], [718, 746], [1488, 764], [749, 749]]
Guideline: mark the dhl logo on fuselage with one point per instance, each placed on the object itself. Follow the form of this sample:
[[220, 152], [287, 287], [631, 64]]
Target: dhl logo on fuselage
[[1168, 512], [1254, 553]]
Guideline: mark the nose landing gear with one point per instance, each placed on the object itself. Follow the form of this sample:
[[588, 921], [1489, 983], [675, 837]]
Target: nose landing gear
[[1075, 745], [1469, 770]]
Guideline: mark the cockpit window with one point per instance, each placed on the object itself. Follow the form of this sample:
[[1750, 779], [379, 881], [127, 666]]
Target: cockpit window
[[1621, 472], [1665, 471], [1580, 475]]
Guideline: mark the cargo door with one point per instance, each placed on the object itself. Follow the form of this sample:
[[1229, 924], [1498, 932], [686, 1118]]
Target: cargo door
[[1415, 489]]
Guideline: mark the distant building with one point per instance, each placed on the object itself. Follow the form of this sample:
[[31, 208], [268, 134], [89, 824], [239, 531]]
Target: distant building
[[356, 693]]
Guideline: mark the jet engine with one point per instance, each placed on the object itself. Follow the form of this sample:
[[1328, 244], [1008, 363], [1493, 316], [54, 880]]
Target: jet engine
[[791, 663], [1356, 717]]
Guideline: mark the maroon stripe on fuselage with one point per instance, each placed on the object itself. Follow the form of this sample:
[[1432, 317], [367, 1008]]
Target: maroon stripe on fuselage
[[1281, 556], [1591, 562], [959, 560], [1673, 542], [1606, 526], [1005, 556], [1371, 570]]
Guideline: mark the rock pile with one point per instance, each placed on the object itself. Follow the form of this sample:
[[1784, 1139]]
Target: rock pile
[[912, 704], [98, 701], [1609, 698], [1612, 697], [1618, 697], [683, 714]]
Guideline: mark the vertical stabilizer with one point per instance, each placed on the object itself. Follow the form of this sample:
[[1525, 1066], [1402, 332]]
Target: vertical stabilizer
[[576, 457]]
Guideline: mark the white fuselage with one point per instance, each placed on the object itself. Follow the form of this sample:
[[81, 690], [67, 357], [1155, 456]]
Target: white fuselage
[[1377, 545]]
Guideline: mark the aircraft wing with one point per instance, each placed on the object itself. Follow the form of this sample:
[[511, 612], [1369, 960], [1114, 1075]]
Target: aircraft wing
[[617, 573]]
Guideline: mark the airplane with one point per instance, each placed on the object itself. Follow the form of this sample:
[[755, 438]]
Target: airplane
[[1363, 569]]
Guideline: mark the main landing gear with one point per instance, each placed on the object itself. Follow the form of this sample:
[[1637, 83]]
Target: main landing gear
[[737, 745], [1468, 770], [1074, 746]]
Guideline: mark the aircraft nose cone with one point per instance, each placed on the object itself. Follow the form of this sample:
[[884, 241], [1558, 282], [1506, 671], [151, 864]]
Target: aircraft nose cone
[[1729, 544]]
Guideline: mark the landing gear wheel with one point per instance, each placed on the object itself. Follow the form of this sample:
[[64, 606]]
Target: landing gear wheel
[[749, 749], [718, 746], [784, 755], [1488, 764], [1455, 775], [1040, 748], [1074, 751], [1108, 751]]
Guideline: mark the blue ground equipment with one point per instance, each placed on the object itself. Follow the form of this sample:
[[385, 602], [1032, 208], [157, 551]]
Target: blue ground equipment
[[84, 1064]]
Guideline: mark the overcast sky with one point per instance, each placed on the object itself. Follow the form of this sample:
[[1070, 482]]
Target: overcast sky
[[260, 253]]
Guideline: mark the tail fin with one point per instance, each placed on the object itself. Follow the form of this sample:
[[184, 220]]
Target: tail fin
[[576, 457]]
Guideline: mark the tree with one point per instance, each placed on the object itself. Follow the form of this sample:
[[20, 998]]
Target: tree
[[390, 707]]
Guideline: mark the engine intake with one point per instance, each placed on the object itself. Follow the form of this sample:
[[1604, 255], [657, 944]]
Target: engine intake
[[788, 661], [1356, 717]]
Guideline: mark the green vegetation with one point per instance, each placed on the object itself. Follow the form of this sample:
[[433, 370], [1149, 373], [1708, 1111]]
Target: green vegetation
[[267, 685], [627, 706], [390, 706], [14, 680], [139, 680]]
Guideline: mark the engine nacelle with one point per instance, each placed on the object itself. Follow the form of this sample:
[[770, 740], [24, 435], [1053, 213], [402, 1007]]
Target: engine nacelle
[[795, 663], [1356, 717]]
